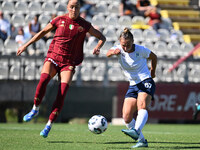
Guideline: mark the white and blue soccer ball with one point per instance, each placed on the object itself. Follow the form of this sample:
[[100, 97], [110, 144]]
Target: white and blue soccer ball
[[97, 124]]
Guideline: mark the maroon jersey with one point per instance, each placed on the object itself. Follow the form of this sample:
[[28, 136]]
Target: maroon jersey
[[67, 44]]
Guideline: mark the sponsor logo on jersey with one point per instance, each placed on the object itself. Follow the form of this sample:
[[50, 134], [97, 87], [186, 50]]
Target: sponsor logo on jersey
[[71, 26], [80, 29], [62, 24]]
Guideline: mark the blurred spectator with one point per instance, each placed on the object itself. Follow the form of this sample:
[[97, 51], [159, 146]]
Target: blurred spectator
[[13, 32], [127, 8], [50, 34], [154, 18], [4, 27], [143, 6], [34, 28], [20, 39], [85, 10]]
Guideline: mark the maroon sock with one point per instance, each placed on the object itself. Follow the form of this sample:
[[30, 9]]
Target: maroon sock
[[41, 88], [59, 102]]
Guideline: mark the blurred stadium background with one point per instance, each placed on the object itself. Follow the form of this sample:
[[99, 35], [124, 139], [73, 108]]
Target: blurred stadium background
[[99, 85]]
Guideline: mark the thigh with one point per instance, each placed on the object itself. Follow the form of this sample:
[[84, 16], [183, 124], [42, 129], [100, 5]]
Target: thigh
[[66, 76], [143, 100], [49, 68], [129, 107]]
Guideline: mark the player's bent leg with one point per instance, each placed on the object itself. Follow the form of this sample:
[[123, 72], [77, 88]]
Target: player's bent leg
[[129, 107], [140, 144]]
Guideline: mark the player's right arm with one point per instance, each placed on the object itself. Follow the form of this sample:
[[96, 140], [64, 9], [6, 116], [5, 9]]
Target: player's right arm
[[112, 52], [38, 36]]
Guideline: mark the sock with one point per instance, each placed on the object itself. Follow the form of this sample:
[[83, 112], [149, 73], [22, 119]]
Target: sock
[[49, 123], [141, 120], [41, 88], [36, 107], [59, 102], [131, 125], [198, 107]]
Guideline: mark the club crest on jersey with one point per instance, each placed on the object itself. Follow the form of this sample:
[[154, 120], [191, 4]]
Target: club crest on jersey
[[137, 54], [80, 29], [71, 26]]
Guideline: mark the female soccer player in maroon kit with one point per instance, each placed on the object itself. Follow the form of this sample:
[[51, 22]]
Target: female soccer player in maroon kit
[[64, 54]]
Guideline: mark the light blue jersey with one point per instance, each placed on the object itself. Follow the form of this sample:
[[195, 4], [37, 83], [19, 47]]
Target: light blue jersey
[[134, 64]]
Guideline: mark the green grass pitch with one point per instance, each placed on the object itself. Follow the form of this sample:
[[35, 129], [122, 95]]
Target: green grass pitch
[[77, 137]]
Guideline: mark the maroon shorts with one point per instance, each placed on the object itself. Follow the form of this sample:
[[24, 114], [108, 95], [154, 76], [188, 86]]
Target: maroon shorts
[[60, 66]]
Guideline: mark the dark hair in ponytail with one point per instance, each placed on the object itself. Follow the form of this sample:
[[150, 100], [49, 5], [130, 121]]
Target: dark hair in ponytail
[[126, 34]]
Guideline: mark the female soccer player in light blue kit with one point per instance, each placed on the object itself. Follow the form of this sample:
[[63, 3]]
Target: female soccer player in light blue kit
[[133, 61]]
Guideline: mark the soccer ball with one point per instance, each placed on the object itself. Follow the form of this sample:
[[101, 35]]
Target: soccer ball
[[97, 124]]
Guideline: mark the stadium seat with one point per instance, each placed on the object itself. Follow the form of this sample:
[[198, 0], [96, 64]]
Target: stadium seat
[[8, 7], [29, 18], [98, 73], [101, 8], [167, 76], [148, 45], [113, 8], [18, 20], [186, 48], [34, 7], [29, 72], [125, 21], [98, 20], [137, 34], [15, 71], [86, 73], [194, 71], [21, 7], [138, 20], [48, 7], [112, 20], [115, 74], [10, 47], [174, 50], [150, 35], [164, 35], [160, 48], [7, 16], [110, 33], [61, 7], [1, 47], [4, 69], [44, 18]]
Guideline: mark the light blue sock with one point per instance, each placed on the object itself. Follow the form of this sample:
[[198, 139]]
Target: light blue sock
[[198, 107]]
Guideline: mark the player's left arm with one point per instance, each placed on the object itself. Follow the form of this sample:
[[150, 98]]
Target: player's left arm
[[153, 59], [98, 35]]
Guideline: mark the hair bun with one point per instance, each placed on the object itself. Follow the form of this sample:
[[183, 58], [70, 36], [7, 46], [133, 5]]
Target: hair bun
[[126, 30]]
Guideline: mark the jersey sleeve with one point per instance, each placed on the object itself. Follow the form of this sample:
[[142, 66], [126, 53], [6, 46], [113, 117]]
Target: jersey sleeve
[[145, 52], [54, 21], [87, 26]]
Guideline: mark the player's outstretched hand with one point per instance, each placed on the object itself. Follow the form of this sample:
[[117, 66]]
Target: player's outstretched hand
[[117, 51], [20, 50], [96, 51]]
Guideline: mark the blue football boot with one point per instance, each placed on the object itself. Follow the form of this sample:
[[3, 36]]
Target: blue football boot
[[30, 115], [132, 133], [140, 144], [44, 133]]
